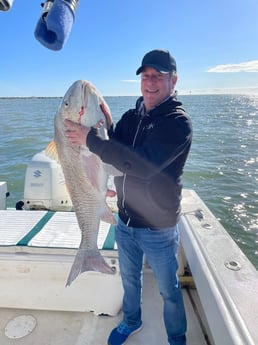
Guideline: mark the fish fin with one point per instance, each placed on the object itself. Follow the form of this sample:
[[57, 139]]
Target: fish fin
[[88, 260], [111, 170], [51, 151], [107, 216]]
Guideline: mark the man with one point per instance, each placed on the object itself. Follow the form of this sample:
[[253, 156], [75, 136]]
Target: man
[[149, 145]]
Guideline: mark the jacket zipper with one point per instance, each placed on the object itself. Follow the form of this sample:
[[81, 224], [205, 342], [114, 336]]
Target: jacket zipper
[[123, 201]]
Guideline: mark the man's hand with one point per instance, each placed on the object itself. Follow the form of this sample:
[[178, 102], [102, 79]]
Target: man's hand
[[76, 133]]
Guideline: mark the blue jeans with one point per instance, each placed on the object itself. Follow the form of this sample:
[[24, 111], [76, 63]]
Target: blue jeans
[[160, 247]]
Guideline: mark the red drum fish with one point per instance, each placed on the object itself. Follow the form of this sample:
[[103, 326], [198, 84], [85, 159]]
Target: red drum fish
[[85, 174]]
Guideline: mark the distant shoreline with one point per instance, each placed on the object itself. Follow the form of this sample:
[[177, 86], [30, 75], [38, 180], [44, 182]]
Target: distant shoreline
[[133, 96], [29, 97], [44, 97]]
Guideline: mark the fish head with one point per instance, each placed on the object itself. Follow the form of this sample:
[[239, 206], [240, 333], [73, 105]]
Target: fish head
[[71, 103], [83, 104]]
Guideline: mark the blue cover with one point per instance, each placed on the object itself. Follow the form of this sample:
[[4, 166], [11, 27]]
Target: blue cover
[[53, 29]]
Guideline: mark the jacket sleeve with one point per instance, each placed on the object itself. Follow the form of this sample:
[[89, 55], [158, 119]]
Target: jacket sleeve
[[160, 149], [122, 157]]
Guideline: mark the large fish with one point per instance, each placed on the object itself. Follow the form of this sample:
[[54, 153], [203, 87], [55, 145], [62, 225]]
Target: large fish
[[85, 174]]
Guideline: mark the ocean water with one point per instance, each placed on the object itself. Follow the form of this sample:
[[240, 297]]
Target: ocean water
[[222, 166]]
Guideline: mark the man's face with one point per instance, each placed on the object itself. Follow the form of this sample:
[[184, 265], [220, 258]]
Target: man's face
[[155, 86]]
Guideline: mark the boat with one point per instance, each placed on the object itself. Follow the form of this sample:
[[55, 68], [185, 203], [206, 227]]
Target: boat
[[37, 248]]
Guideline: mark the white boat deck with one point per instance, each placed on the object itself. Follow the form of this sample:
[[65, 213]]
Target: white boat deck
[[36, 252], [77, 328], [30, 239]]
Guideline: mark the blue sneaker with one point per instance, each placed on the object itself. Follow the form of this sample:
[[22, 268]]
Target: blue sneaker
[[121, 333]]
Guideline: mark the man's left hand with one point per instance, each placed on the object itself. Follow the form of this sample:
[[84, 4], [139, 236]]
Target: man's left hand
[[76, 133]]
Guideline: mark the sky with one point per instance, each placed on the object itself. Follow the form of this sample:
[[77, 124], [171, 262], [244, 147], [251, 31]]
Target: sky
[[215, 44]]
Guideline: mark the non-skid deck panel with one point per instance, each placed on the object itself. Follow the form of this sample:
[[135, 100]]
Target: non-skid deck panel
[[15, 225], [62, 231], [47, 230]]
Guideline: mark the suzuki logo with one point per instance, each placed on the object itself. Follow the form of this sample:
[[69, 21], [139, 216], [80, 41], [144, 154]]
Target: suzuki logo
[[37, 173]]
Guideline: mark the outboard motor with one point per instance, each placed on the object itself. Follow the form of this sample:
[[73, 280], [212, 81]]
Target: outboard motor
[[44, 187]]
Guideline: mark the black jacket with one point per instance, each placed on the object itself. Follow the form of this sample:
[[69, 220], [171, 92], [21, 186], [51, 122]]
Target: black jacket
[[151, 151]]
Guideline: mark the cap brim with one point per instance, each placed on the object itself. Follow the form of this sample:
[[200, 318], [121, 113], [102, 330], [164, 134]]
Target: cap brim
[[156, 67]]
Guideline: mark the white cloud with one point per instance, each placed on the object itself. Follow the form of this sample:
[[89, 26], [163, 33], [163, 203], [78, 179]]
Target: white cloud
[[131, 81], [250, 66]]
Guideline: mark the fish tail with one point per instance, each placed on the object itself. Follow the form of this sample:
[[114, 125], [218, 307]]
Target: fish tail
[[88, 260]]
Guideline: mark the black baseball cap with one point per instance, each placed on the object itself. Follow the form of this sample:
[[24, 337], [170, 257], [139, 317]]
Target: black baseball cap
[[159, 59]]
